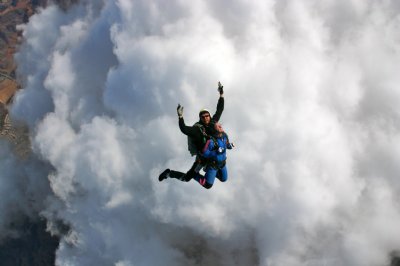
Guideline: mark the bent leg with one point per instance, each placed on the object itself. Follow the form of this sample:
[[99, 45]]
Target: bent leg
[[180, 175], [223, 174], [192, 171], [206, 181], [176, 175]]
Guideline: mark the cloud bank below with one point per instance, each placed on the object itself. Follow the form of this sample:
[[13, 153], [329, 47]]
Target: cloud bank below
[[311, 102]]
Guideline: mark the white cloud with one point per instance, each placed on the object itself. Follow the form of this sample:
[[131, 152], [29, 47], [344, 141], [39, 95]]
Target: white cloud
[[311, 102]]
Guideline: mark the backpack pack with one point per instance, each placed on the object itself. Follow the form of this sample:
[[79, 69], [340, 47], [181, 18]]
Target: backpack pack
[[192, 144]]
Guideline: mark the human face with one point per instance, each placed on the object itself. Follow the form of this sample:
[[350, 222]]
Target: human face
[[218, 128], [205, 118]]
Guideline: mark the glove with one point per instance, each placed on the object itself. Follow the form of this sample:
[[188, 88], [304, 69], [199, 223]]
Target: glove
[[179, 110], [220, 88]]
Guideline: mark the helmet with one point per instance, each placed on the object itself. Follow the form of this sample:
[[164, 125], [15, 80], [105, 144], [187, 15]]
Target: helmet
[[203, 111]]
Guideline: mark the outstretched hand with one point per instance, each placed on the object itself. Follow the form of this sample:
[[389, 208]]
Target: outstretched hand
[[220, 88], [179, 110], [230, 145]]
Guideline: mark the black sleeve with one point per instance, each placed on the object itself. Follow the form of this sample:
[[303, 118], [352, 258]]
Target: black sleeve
[[220, 108], [189, 131]]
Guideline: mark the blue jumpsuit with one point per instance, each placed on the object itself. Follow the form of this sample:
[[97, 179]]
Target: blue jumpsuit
[[216, 166]]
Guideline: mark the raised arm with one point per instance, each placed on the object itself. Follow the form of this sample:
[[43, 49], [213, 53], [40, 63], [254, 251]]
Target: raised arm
[[187, 130], [220, 104]]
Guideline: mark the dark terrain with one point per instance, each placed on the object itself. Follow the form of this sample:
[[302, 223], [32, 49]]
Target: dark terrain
[[31, 244]]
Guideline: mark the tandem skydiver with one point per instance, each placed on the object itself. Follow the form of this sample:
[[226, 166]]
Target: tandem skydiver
[[198, 134]]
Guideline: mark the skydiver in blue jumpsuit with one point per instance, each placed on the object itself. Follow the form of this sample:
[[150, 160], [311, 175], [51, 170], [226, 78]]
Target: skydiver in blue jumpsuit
[[215, 153]]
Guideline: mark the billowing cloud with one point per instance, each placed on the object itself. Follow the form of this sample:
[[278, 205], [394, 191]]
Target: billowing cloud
[[311, 102]]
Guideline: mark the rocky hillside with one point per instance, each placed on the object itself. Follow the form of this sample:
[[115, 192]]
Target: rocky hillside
[[32, 245], [13, 13]]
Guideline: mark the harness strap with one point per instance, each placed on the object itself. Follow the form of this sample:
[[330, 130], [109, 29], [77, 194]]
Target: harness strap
[[217, 165], [206, 146]]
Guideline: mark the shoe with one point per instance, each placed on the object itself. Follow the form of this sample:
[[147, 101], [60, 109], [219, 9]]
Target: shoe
[[164, 175]]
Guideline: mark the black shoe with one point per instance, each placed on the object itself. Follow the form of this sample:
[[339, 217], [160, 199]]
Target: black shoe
[[164, 175]]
